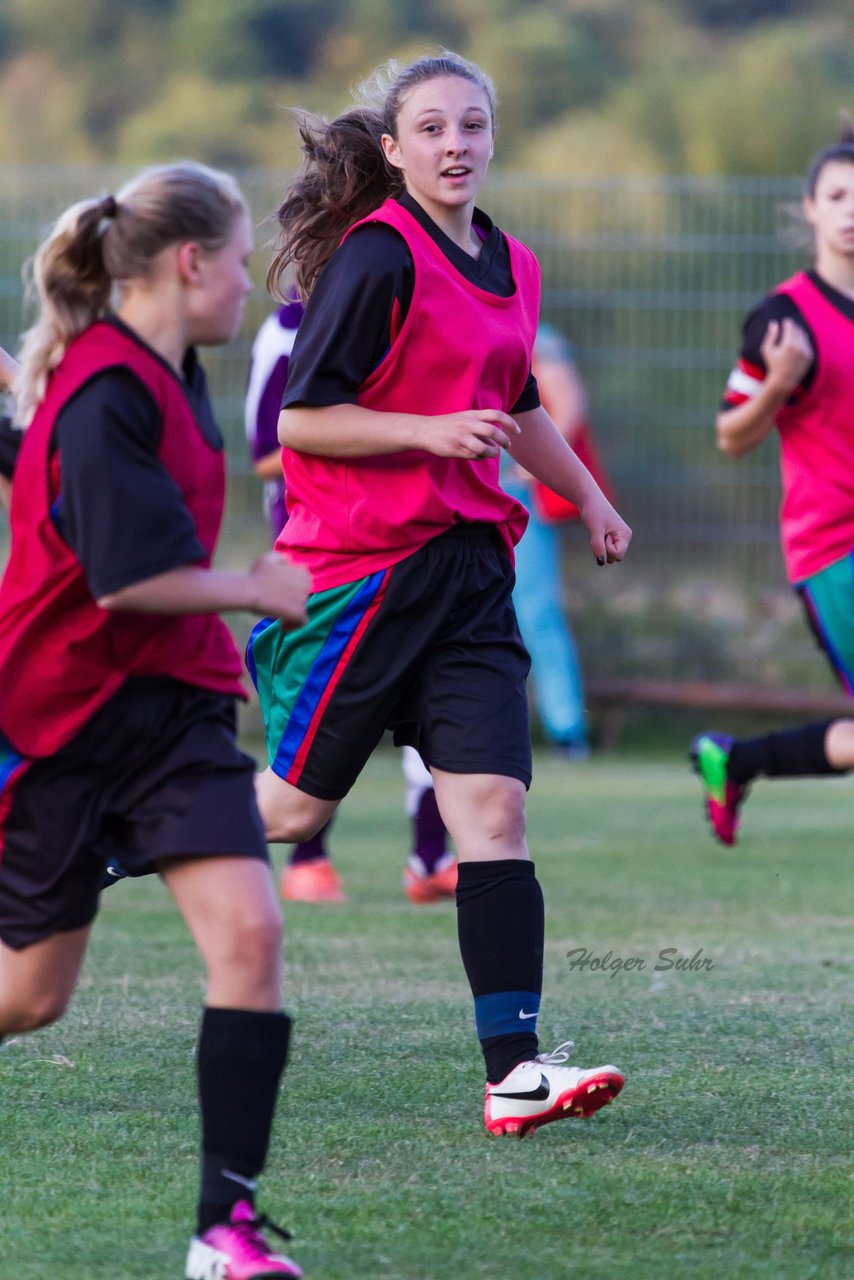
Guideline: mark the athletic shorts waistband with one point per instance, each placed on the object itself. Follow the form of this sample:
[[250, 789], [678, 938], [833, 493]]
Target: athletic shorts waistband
[[479, 532]]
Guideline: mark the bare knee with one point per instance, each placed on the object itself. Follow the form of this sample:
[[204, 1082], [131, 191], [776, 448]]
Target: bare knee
[[291, 828], [254, 941], [45, 1008], [289, 815], [485, 814], [502, 817], [245, 966], [38, 981]]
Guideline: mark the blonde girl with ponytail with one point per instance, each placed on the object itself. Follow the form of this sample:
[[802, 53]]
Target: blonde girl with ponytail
[[119, 679]]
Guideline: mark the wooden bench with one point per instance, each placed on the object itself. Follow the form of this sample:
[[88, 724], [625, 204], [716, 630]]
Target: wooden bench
[[615, 696]]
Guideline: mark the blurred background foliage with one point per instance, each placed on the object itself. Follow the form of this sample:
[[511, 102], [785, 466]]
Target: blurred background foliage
[[586, 86]]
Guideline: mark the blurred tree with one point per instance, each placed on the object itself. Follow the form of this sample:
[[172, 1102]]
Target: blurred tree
[[544, 65], [247, 39], [777, 105], [42, 113], [584, 85], [76, 31], [229, 125], [387, 23], [743, 13]]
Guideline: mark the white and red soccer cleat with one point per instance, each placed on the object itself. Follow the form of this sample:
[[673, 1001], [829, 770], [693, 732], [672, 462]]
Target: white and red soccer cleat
[[542, 1090]]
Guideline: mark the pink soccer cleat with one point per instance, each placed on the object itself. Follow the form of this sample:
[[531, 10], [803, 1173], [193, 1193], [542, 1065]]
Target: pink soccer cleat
[[236, 1250]]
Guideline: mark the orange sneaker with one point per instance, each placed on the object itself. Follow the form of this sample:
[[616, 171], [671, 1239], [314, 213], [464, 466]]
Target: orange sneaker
[[430, 888], [315, 881]]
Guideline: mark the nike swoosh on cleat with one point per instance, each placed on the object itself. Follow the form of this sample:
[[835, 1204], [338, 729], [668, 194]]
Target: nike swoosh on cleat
[[523, 1014], [531, 1095]]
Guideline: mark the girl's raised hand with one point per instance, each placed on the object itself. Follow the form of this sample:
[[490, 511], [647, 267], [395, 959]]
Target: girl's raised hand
[[787, 352], [474, 433]]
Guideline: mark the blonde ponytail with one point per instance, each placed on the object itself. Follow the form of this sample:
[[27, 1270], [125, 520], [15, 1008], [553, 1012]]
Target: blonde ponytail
[[73, 289]]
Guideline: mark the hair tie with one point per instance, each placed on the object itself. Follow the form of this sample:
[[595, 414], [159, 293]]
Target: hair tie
[[109, 207]]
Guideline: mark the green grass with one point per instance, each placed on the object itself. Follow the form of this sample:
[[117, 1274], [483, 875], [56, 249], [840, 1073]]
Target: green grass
[[726, 1155]]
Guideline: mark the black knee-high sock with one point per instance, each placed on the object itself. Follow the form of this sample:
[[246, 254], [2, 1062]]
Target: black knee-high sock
[[240, 1060], [500, 921], [786, 753]]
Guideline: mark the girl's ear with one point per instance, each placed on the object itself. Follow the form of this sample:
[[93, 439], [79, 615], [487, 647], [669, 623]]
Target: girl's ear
[[391, 150], [188, 261], [808, 206]]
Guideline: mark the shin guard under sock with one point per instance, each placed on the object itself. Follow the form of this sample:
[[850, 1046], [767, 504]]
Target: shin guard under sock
[[240, 1060], [500, 921]]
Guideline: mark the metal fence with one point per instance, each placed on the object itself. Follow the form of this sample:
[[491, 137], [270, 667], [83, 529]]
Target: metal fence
[[650, 278]]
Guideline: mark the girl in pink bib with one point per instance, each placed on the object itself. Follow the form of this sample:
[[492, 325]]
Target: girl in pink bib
[[795, 373], [411, 373]]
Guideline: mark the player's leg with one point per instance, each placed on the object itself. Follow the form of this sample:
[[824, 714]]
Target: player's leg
[[839, 746], [37, 982], [182, 804], [291, 815], [472, 717], [288, 813], [499, 912], [726, 765], [50, 819], [501, 923], [430, 873], [231, 909]]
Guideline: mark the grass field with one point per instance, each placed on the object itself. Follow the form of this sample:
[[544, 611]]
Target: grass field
[[727, 1156]]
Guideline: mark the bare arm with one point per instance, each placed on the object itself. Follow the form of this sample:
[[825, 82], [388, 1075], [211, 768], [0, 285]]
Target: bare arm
[[542, 450], [788, 354], [351, 431], [272, 587]]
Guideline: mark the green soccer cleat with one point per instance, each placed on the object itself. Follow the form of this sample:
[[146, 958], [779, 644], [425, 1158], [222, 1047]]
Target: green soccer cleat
[[723, 797]]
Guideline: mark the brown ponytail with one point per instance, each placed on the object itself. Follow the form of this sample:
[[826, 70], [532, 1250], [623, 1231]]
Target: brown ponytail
[[344, 177]]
